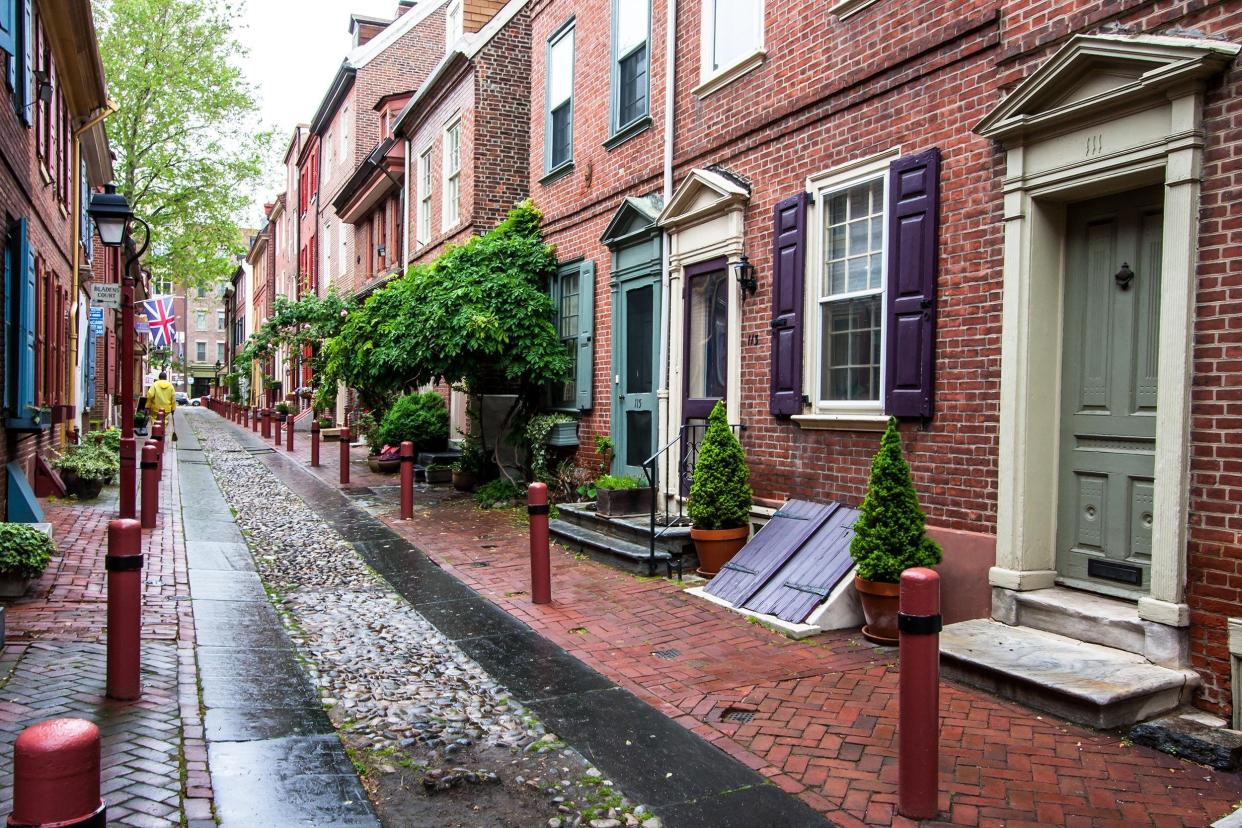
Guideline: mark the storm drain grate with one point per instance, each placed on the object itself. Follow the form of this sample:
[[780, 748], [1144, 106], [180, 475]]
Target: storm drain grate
[[480, 564], [736, 714], [666, 655], [263, 450]]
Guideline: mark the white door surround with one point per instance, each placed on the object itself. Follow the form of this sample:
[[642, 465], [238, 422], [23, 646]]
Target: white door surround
[[705, 219], [1105, 114]]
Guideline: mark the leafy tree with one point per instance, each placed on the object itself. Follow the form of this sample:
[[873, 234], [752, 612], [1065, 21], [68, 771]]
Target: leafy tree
[[720, 494], [308, 321], [186, 148], [478, 316], [889, 535]]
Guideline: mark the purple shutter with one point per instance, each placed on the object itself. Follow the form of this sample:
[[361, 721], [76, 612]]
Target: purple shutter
[[913, 231], [789, 232]]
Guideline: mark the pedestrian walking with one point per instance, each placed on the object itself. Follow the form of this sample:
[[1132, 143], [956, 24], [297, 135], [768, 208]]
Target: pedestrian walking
[[162, 398]]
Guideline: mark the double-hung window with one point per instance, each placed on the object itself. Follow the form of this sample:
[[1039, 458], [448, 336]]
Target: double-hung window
[[573, 298], [219, 320], [630, 59], [452, 174], [424, 196], [452, 24], [200, 320], [200, 350], [559, 123], [732, 40], [851, 284]]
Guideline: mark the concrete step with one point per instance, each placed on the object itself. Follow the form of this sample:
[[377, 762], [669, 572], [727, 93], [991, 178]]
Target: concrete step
[[1097, 686], [631, 557], [673, 539], [1096, 619]]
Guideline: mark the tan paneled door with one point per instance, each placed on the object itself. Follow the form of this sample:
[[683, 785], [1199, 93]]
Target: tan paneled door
[[1108, 393]]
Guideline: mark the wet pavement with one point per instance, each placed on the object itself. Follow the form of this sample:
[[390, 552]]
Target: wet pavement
[[275, 757], [649, 756]]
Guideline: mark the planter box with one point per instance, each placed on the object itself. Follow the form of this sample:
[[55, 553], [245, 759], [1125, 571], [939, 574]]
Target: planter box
[[623, 502], [439, 475], [563, 435], [12, 587], [384, 466], [332, 435]]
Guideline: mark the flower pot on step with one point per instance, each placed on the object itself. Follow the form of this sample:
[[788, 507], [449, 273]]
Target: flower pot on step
[[716, 547], [622, 502], [880, 602]]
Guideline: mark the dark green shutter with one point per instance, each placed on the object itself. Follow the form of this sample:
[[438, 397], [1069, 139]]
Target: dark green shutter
[[586, 335]]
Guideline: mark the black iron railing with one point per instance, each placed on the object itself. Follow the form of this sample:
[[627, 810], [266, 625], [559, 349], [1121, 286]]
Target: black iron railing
[[677, 459]]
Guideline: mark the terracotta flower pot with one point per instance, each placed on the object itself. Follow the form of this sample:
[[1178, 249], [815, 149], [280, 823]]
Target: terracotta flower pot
[[716, 547], [880, 602], [463, 481]]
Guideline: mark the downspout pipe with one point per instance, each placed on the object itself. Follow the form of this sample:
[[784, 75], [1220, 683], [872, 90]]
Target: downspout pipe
[[405, 209], [670, 77]]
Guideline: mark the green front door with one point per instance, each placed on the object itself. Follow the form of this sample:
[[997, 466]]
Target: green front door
[[636, 317], [1108, 393]]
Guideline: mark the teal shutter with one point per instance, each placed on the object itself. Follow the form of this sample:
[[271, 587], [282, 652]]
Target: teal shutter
[[586, 335], [11, 269], [24, 81], [8, 29], [19, 316]]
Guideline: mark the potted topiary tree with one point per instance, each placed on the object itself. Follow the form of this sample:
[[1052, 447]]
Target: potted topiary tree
[[889, 538], [720, 495], [24, 554]]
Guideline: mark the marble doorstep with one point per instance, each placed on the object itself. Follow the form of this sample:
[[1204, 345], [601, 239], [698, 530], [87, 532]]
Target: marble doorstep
[[1097, 686]]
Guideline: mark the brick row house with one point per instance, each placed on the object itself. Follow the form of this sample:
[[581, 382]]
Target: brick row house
[[1006, 224], [54, 154]]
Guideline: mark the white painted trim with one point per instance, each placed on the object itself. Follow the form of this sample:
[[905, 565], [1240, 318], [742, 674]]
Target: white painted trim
[[841, 422], [727, 76], [849, 8], [374, 47], [711, 78], [475, 42]]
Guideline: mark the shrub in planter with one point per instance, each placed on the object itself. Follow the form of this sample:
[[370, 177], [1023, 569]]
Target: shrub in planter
[[720, 495], [140, 422], [889, 538], [109, 438], [439, 473], [421, 418], [617, 495], [282, 408], [85, 468], [24, 554]]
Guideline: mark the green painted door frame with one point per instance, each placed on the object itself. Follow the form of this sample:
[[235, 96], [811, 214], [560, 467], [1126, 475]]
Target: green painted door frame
[[1108, 393]]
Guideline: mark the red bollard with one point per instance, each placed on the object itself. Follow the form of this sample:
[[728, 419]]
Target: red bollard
[[540, 564], [267, 424], [254, 421], [345, 438], [289, 435], [245, 416], [314, 443], [280, 419], [157, 434], [124, 565], [150, 484], [407, 480], [56, 768], [129, 477], [918, 724]]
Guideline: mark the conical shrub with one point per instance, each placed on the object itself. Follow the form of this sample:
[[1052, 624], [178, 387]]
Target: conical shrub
[[720, 493], [889, 535]]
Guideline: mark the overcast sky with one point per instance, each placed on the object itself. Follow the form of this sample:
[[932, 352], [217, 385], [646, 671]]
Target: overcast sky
[[295, 48]]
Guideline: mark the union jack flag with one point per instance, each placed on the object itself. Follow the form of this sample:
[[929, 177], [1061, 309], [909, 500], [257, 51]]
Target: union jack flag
[[160, 319]]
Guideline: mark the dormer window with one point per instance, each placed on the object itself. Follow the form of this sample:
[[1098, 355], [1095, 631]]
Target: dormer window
[[452, 24]]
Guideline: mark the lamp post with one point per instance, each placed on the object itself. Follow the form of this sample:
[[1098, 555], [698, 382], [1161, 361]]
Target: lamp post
[[113, 217]]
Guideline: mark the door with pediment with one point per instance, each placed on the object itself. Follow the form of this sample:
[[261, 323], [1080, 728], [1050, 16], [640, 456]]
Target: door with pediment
[[1108, 393]]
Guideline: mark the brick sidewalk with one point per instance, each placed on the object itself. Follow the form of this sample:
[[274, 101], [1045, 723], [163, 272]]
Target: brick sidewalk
[[822, 712], [53, 665]]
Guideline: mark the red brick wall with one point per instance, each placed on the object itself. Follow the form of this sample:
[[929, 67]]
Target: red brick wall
[[458, 100], [501, 133], [917, 75]]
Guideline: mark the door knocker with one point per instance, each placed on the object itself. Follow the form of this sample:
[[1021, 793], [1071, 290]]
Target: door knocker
[[1124, 276]]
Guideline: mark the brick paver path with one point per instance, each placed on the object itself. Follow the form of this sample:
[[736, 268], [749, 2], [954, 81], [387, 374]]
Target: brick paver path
[[53, 665], [824, 710]]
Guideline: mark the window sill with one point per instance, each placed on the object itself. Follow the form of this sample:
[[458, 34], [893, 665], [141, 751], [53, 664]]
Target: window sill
[[726, 76], [626, 133], [848, 8], [841, 422], [558, 173]]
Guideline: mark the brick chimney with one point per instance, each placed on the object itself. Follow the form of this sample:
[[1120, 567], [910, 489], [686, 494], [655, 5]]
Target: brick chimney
[[404, 6], [477, 13]]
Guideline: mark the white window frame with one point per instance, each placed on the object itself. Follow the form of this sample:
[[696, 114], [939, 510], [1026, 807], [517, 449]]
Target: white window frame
[[451, 206], [343, 243], [712, 77], [344, 132], [220, 320], [424, 181], [454, 24], [614, 105], [200, 344], [568, 29], [821, 186]]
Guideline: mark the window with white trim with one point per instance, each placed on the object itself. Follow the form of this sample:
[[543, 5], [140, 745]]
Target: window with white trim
[[849, 278], [559, 123], [452, 174], [452, 24], [424, 196], [200, 350], [732, 34], [345, 133], [341, 259], [630, 56]]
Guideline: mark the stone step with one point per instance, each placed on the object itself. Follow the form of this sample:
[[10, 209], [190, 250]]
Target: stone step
[[673, 539], [631, 557], [1097, 686]]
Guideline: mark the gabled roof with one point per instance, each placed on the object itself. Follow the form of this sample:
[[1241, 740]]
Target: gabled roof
[[370, 50], [636, 217], [704, 193], [1095, 74]]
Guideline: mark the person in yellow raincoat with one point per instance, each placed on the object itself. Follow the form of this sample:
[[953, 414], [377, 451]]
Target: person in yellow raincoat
[[161, 396]]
